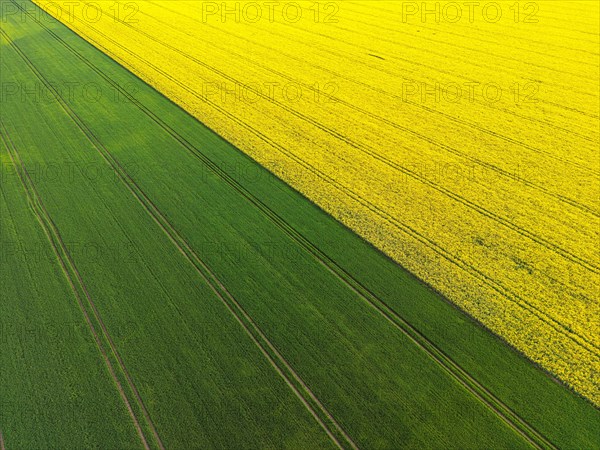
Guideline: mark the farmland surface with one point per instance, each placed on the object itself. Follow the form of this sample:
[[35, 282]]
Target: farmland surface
[[160, 289], [466, 150]]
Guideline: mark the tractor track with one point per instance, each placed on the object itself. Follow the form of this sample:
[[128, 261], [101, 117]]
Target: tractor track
[[454, 370]]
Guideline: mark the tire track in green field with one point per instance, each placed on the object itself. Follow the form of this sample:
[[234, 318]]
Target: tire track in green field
[[283, 368], [2, 447], [457, 197], [381, 91], [480, 276], [73, 277], [454, 370], [372, 153]]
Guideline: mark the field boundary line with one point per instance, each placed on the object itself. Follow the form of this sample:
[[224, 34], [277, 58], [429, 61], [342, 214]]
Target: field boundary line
[[380, 69], [285, 370], [2, 446], [491, 283], [543, 242], [323, 259], [481, 277], [373, 153], [214, 168], [209, 277], [450, 149], [75, 278], [66, 265], [296, 236]]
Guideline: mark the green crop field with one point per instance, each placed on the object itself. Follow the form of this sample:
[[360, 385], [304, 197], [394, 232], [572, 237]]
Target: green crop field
[[160, 289]]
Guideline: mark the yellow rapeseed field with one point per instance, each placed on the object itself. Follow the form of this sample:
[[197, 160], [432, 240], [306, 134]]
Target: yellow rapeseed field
[[461, 139]]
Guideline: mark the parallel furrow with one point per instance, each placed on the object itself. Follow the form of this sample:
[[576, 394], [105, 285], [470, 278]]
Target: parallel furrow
[[437, 355], [74, 277], [312, 403], [397, 75], [68, 268], [457, 197], [374, 88], [483, 278]]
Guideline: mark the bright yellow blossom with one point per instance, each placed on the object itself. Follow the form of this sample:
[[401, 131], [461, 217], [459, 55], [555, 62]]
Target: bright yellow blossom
[[461, 142]]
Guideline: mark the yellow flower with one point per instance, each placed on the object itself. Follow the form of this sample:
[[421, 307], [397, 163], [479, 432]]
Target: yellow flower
[[462, 143]]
